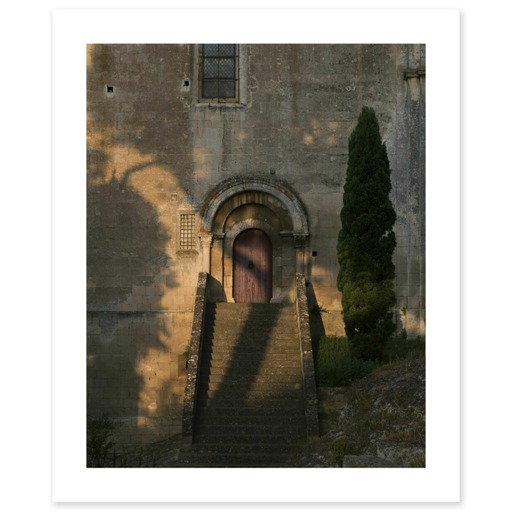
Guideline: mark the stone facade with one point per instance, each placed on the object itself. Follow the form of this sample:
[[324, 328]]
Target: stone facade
[[172, 180]]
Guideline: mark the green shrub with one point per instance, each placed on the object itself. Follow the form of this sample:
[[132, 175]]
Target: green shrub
[[339, 449], [399, 347], [99, 440], [336, 366]]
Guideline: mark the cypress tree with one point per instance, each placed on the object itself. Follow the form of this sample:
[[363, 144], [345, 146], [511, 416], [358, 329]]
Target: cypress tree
[[366, 242]]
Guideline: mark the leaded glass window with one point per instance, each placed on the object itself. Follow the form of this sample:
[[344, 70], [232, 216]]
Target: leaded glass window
[[187, 224], [219, 70]]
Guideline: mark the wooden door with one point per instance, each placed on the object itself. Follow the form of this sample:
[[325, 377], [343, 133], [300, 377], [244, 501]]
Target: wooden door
[[252, 267]]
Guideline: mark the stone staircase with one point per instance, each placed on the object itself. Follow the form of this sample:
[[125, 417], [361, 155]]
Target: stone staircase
[[250, 398]]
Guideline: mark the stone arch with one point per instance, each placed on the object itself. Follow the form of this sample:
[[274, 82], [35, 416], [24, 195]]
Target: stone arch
[[254, 202], [272, 187]]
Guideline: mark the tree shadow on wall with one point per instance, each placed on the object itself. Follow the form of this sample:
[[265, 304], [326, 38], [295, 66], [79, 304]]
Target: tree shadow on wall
[[142, 112], [128, 272], [137, 123]]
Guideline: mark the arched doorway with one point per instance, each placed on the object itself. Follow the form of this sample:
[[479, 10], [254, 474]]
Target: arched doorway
[[252, 267], [242, 203]]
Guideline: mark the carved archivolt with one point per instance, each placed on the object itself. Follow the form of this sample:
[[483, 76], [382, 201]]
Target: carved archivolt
[[241, 190]]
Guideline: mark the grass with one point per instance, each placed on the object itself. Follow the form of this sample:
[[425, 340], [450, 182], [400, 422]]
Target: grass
[[400, 347], [335, 366], [385, 407]]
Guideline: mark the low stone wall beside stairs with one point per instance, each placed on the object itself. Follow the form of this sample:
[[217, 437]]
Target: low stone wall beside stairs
[[308, 364]]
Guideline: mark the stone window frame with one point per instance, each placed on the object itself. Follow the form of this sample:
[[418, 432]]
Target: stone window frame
[[241, 99]]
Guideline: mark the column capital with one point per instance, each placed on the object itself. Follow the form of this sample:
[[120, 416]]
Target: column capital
[[206, 240], [300, 239]]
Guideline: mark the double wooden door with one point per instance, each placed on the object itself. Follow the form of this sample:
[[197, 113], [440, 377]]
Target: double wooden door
[[252, 267]]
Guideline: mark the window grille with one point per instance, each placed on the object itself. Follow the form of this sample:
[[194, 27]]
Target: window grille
[[219, 70], [187, 224]]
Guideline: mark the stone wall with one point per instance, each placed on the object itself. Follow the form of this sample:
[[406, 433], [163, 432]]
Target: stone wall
[[155, 153]]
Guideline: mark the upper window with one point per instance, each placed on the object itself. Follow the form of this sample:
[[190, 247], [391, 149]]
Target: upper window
[[219, 72]]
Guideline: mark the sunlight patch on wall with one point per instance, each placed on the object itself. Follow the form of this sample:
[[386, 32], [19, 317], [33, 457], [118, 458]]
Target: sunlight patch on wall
[[308, 139]]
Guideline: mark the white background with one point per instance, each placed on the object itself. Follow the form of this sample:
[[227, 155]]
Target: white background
[[26, 261], [72, 30]]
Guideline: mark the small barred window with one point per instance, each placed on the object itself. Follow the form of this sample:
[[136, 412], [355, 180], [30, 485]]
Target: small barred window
[[187, 224], [219, 72]]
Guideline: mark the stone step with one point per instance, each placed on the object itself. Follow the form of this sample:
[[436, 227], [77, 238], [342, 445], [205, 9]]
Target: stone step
[[250, 394], [264, 323], [251, 370], [253, 346], [244, 315], [252, 359], [255, 339], [250, 389], [252, 352], [244, 405], [251, 310], [240, 449], [244, 364], [249, 360], [286, 382], [219, 372], [263, 411], [204, 419], [222, 363], [248, 460], [266, 319], [249, 373], [273, 434], [263, 444], [254, 306], [259, 408], [253, 334], [262, 385], [280, 359], [233, 328], [263, 327]]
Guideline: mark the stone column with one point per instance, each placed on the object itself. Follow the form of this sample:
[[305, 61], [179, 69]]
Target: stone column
[[206, 246], [300, 252], [217, 256]]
